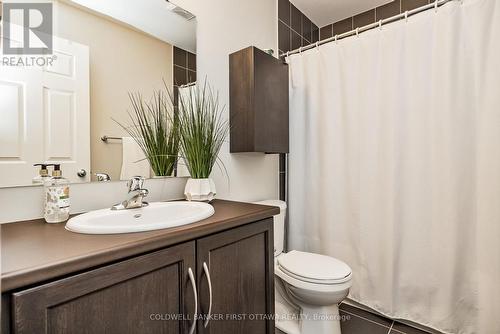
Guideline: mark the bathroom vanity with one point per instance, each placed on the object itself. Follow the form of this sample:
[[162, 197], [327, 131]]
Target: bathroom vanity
[[56, 281]]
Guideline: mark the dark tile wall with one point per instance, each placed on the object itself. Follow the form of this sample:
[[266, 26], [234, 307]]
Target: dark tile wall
[[370, 16], [184, 67], [294, 28], [184, 72]]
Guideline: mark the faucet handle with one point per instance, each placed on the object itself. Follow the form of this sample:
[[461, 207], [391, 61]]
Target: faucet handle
[[135, 183], [102, 177]]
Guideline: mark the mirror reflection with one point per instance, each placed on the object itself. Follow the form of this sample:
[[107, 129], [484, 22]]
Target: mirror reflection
[[73, 110]]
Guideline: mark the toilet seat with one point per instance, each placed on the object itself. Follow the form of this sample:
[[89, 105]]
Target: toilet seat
[[313, 287], [313, 268]]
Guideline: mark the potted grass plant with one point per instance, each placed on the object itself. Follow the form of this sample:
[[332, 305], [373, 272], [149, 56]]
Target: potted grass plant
[[202, 131], [154, 127]]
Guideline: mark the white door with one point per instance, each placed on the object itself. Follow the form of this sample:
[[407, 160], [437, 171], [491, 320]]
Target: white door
[[66, 109], [45, 116], [20, 124]]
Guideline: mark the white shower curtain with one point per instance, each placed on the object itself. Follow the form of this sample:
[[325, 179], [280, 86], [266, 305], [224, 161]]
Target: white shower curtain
[[394, 164]]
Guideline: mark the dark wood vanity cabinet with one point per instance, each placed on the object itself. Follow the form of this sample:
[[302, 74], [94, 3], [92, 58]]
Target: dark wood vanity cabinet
[[128, 297], [241, 270], [153, 293], [258, 94]]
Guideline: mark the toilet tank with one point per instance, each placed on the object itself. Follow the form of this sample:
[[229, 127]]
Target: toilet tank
[[279, 224]]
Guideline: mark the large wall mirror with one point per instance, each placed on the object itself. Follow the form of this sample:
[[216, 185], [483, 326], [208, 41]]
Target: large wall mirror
[[67, 111]]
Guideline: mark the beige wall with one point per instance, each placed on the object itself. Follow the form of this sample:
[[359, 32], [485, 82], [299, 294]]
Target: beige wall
[[223, 27], [122, 60]]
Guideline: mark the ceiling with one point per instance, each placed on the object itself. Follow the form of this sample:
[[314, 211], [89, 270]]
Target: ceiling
[[150, 16], [323, 12]]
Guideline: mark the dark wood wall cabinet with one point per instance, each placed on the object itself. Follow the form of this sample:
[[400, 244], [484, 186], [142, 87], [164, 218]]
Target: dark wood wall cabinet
[[258, 93], [219, 283]]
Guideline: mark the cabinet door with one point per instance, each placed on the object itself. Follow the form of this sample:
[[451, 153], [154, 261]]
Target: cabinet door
[[140, 295], [258, 102], [241, 269]]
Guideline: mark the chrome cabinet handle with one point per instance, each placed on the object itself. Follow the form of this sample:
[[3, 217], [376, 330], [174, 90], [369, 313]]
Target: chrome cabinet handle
[[193, 285], [207, 274]]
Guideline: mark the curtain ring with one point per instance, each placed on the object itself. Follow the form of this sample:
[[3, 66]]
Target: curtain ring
[[300, 50], [436, 5], [380, 24], [357, 32], [287, 54], [336, 38], [406, 16], [317, 46]]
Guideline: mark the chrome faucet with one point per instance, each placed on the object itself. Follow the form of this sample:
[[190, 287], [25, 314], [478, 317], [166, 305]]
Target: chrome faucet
[[136, 195]]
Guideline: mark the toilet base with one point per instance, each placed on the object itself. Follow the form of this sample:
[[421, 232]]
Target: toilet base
[[320, 319]]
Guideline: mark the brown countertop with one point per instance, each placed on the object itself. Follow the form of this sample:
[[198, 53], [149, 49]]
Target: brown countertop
[[33, 251]]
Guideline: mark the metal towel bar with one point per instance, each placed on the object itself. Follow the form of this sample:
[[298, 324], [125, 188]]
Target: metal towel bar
[[106, 138]]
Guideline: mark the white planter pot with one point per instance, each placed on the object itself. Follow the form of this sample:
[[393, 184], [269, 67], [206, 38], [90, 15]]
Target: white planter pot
[[201, 190]]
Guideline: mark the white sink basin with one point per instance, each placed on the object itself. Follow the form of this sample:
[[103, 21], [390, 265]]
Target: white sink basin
[[155, 216]]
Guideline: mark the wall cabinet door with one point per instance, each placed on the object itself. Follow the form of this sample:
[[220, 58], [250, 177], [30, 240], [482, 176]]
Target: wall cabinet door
[[258, 99], [240, 265], [140, 295]]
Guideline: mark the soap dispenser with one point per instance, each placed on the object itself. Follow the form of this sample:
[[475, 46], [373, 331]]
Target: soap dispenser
[[56, 197], [43, 174]]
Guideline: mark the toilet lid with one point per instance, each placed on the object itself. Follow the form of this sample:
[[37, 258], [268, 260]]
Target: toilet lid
[[314, 268]]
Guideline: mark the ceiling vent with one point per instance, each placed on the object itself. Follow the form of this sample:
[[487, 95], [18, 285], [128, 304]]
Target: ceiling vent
[[180, 11]]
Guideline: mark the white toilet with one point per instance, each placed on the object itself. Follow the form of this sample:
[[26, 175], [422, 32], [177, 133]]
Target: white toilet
[[308, 286]]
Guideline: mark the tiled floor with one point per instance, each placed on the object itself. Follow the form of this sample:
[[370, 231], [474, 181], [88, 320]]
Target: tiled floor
[[358, 321]]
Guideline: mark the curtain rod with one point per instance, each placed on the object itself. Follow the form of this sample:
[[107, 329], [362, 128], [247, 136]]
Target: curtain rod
[[357, 31]]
